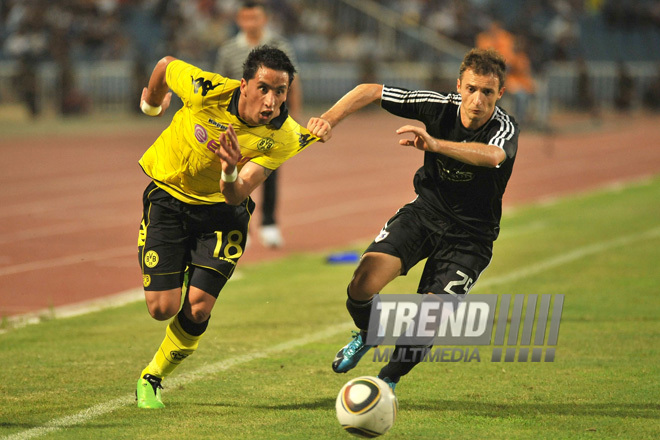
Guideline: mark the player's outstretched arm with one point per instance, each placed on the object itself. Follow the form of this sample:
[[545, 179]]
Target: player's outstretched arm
[[472, 153], [359, 97], [234, 186], [156, 97]]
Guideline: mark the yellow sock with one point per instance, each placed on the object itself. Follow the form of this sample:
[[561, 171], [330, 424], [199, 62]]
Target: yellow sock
[[176, 346]]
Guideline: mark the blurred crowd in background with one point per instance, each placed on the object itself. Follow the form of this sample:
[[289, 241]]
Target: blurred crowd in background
[[122, 29], [530, 33]]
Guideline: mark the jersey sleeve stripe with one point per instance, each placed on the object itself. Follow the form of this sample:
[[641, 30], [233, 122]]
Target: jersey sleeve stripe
[[400, 96], [506, 131]]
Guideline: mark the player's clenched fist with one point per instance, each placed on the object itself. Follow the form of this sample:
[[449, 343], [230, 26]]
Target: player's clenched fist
[[320, 128]]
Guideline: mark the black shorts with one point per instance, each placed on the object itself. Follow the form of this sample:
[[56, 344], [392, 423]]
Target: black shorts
[[175, 235], [455, 259]]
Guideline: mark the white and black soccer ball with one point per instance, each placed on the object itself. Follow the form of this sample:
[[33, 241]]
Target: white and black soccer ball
[[366, 407]]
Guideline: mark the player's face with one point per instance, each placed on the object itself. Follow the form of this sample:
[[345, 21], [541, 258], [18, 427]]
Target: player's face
[[262, 96], [479, 95], [252, 21]]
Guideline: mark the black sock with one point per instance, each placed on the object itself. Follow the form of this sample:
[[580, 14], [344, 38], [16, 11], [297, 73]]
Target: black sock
[[404, 358], [359, 311], [190, 327]]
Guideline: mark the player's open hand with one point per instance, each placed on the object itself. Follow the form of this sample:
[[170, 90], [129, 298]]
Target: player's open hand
[[227, 149], [320, 128], [164, 105], [422, 140]]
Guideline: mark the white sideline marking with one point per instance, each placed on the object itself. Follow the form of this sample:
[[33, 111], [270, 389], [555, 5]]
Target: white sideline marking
[[81, 308], [65, 228], [207, 370], [68, 260], [573, 255], [85, 307], [112, 405]]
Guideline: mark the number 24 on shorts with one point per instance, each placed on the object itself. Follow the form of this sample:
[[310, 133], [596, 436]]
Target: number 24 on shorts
[[465, 281], [232, 249]]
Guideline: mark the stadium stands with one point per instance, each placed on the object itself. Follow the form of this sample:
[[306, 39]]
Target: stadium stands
[[107, 41]]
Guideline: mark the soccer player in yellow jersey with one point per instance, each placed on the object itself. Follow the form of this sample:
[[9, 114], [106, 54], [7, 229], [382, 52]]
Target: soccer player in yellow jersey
[[221, 145]]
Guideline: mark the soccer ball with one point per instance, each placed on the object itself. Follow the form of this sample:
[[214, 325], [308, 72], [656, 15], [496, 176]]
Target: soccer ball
[[366, 407]]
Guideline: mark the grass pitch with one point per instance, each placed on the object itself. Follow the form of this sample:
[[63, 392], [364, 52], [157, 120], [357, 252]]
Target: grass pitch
[[263, 368]]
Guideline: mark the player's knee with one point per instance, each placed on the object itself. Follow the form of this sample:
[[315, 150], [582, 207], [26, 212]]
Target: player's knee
[[160, 307], [365, 282], [162, 312], [373, 273], [199, 315], [363, 286]]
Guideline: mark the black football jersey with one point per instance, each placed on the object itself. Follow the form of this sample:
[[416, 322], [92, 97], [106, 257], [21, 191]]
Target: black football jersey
[[469, 194]]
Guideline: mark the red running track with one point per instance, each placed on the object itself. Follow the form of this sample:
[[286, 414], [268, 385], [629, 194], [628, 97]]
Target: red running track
[[71, 204]]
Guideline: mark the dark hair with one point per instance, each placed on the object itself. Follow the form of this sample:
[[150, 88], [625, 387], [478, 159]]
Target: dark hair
[[253, 4], [484, 62], [269, 57]]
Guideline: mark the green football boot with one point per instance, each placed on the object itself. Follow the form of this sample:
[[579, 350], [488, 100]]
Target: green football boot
[[148, 392]]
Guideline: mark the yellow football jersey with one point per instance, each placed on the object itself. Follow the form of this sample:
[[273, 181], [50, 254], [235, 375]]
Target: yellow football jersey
[[180, 162]]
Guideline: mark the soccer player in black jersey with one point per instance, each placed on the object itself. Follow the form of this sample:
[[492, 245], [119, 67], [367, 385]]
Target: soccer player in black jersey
[[469, 146]]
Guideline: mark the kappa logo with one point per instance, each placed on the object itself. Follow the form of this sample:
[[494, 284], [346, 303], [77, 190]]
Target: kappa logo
[[204, 84], [265, 144], [146, 280], [304, 140]]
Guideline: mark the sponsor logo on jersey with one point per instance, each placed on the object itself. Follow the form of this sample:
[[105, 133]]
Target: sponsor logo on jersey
[[201, 134], [217, 124], [453, 174]]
